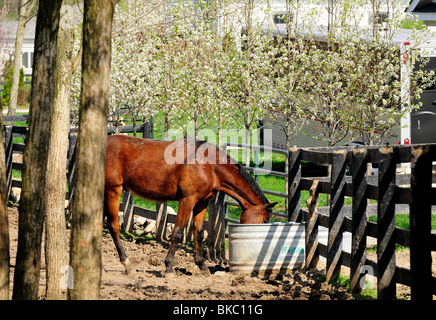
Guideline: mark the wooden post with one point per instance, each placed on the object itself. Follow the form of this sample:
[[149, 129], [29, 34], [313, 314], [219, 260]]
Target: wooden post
[[311, 237], [337, 215], [188, 231], [161, 220], [420, 223], [216, 227], [72, 141], [127, 209], [359, 165], [294, 191], [4, 224], [146, 131], [8, 158], [386, 225]]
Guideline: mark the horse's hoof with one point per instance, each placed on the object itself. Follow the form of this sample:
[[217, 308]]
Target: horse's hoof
[[128, 266], [169, 275], [129, 271]]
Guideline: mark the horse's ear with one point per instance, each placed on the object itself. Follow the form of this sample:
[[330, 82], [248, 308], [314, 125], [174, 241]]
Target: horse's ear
[[270, 205]]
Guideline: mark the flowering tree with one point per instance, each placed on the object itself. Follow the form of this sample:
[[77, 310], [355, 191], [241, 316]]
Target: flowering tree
[[380, 99], [166, 101], [249, 76], [218, 115], [292, 70], [5, 48], [177, 61], [170, 62], [24, 9], [329, 96], [202, 78], [137, 46], [132, 81], [357, 88]]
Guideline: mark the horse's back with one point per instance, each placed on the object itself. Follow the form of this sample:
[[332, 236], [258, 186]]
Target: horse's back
[[143, 167]]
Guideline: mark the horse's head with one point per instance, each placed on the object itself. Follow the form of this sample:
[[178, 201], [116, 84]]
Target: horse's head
[[258, 214]]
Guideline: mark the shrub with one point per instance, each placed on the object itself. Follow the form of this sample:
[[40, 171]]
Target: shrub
[[9, 70]]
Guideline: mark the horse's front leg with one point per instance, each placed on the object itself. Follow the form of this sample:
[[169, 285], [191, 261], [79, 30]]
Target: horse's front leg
[[186, 206], [199, 213]]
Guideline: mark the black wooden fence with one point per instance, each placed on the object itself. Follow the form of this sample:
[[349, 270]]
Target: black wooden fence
[[420, 196]]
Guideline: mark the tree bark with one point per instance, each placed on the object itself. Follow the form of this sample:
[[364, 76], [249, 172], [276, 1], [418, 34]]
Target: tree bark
[[85, 252], [4, 226], [56, 252], [24, 12], [32, 211]]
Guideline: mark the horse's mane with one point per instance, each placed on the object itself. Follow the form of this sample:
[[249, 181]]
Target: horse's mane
[[243, 172], [252, 183]]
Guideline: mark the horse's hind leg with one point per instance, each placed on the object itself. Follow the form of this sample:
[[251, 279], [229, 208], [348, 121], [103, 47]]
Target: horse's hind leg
[[183, 213], [112, 198], [199, 213]]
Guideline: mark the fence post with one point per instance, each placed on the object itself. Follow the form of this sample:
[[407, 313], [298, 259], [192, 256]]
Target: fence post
[[161, 220], [294, 191], [420, 223], [72, 143], [337, 215], [127, 209], [386, 288], [311, 228], [8, 158], [146, 130], [187, 232], [359, 164], [216, 226]]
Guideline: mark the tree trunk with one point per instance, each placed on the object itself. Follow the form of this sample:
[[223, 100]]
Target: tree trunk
[[32, 211], [4, 226], [247, 150], [24, 11], [85, 252], [166, 126], [56, 252]]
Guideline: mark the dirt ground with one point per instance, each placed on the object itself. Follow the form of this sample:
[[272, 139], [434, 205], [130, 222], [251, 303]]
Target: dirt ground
[[188, 283]]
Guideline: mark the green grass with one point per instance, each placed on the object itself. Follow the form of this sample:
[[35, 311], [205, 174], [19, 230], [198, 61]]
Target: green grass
[[16, 174], [344, 281], [403, 220], [19, 123], [413, 24]]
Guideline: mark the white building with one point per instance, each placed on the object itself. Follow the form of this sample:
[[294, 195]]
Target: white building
[[424, 10], [7, 43]]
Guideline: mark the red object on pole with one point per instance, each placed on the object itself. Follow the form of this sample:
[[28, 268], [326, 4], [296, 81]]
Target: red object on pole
[[406, 141]]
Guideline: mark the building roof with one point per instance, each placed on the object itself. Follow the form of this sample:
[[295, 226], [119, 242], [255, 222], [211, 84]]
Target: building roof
[[422, 6], [423, 9]]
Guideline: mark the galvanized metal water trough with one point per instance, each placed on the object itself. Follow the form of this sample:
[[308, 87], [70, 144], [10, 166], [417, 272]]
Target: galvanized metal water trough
[[268, 247]]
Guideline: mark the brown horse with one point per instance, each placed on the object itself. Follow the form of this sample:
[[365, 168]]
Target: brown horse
[[188, 171]]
